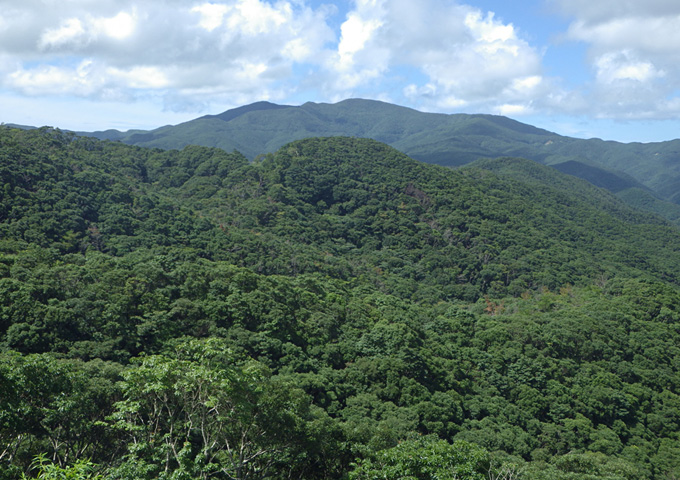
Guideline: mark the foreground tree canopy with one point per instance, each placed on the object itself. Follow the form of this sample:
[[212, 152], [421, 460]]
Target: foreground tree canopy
[[334, 310]]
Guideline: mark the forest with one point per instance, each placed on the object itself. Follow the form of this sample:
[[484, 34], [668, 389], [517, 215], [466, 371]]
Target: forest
[[645, 175], [333, 310]]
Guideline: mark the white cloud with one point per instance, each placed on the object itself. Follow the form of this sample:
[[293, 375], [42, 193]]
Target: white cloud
[[490, 33], [119, 26], [70, 30], [192, 52], [360, 56], [634, 53], [356, 33], [467, 58], [50, 79], [197, 54], [529, 83], [139, 77], [615, 66], [77, 33], [487, 63], [212, 15], [645, 34], [255, 17], [439, 55], [513, 110]]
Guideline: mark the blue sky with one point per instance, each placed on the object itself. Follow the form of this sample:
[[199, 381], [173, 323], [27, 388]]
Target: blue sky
[[583, 68]]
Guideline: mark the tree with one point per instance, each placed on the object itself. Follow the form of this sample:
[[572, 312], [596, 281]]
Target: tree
[[425, 458], [80, 470], [201, 414], [54, 407]]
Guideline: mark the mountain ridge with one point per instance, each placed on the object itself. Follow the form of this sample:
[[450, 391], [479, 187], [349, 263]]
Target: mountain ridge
[[236, 112], [635, 171], [337, 114]]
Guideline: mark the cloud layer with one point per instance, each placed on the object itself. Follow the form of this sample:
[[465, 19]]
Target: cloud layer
[[433, 54]]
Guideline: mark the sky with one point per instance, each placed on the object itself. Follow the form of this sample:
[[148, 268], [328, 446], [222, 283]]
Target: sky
[[584, 68]]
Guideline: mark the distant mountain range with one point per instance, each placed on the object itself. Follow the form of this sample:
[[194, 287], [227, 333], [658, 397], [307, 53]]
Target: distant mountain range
[[645, 175]]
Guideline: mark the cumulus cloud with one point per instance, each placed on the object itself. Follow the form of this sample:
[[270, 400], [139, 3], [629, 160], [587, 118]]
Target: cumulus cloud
[[438, 55], [488, 63], [465, 58], [70, 30], [634, 53], [221, 50], [361, 55], [612, 67], [129, 49], [212, 15]]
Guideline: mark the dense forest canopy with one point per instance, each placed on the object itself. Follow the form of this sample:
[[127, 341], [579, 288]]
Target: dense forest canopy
[[332, 310]]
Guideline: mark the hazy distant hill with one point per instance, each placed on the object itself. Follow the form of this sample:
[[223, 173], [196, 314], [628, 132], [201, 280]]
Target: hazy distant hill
[[450, 140]]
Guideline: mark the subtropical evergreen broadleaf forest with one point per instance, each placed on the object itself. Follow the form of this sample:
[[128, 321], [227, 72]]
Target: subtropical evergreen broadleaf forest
[[333, 310]]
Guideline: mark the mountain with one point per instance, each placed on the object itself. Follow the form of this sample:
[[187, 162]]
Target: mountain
[[449, 140], [264, 127]]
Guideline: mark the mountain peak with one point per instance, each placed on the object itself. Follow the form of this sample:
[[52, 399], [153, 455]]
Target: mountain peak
[[253, 107]]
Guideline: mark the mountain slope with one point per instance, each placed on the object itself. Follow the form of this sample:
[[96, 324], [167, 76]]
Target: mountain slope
[[449, 140], [264, 127], [473, 231], [324, 305]]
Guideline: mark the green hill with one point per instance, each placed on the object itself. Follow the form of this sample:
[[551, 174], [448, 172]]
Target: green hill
[[335, 309], [264, 127], [449, 140]]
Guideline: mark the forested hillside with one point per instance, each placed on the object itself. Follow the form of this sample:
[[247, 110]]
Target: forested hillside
[[646, 175], [332, 310]]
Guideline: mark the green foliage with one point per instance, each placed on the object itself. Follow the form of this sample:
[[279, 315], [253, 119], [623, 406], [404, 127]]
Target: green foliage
[[425, 458], [585, 466], [81, 470], [196, 414], [327, 303], [55, 406]]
